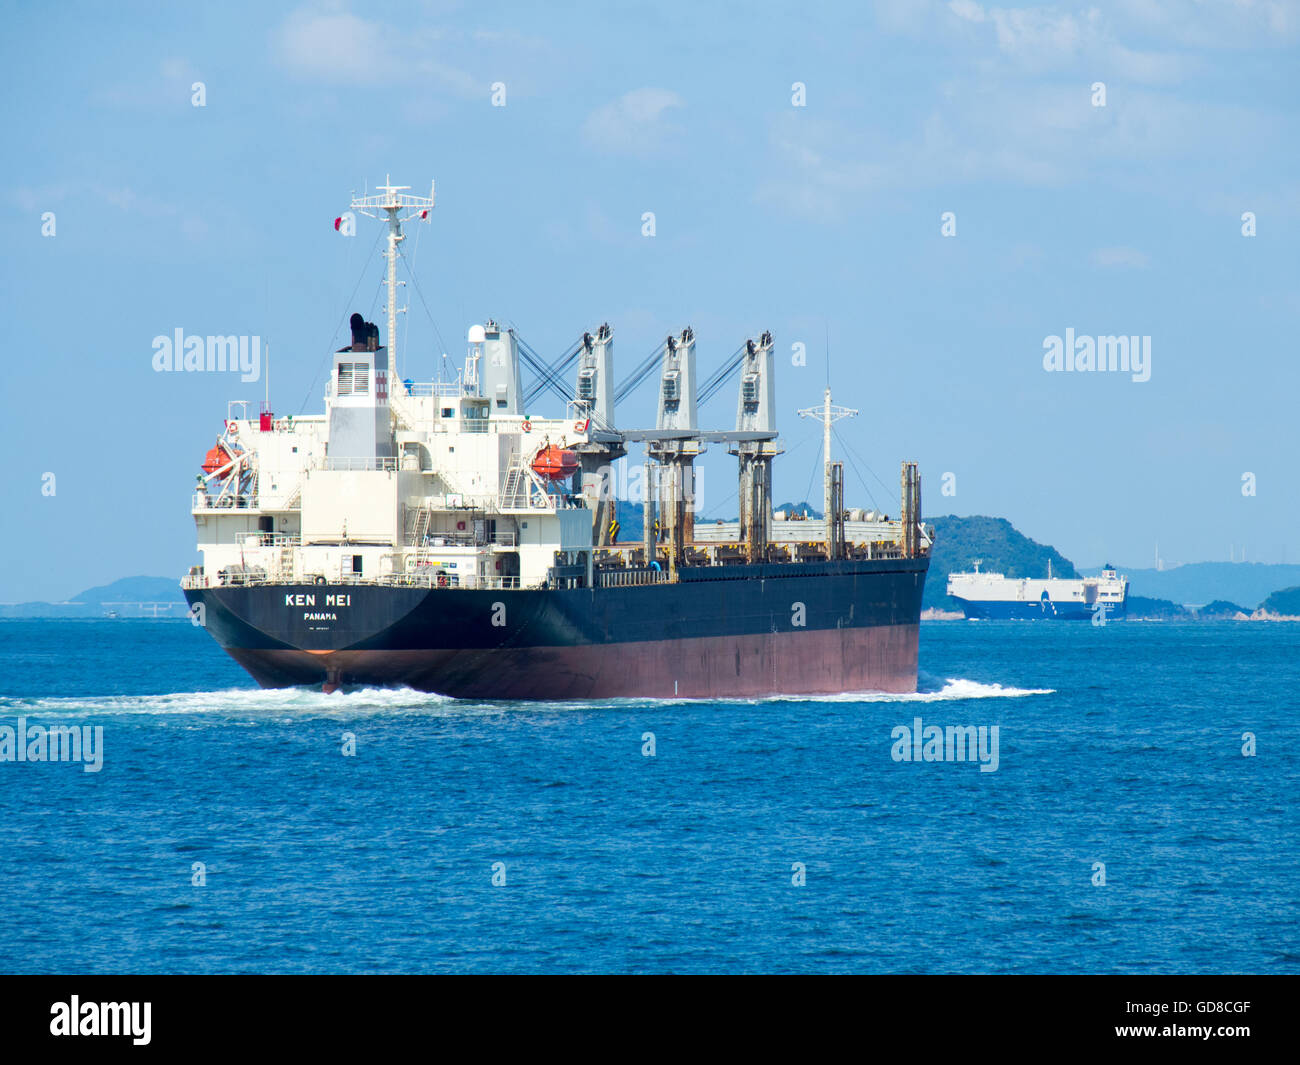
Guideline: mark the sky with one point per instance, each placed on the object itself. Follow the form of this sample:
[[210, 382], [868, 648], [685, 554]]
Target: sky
[[921, 194]]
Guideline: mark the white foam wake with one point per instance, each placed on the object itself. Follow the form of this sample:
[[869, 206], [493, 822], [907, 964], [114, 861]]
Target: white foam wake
[[253, 702], [929, 690], [377, 702]]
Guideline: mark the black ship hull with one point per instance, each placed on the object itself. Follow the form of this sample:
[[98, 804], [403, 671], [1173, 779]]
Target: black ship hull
[[717, 632]]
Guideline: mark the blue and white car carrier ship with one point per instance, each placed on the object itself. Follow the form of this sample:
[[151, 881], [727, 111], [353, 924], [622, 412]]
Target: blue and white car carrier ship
[[993, 596]]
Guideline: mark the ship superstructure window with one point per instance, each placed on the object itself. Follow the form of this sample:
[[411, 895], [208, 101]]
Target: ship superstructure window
[[356, 563], [354, 379], [587, 386], [672, 388]]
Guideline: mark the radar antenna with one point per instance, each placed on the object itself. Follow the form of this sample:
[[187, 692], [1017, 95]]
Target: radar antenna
[[398, 207]]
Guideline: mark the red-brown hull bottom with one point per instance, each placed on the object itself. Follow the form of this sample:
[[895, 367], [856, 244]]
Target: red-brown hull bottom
[[878, 658]]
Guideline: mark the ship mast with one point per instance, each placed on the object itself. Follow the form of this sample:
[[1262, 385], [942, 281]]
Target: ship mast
[[828, 414], [393, 201]]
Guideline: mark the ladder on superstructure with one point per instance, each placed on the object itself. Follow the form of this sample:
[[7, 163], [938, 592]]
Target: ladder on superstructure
[[287, 553], [517, 493], [422, 518]]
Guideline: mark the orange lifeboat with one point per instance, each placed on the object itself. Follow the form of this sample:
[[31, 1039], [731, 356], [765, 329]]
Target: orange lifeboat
[[555, 463], [217, 457]]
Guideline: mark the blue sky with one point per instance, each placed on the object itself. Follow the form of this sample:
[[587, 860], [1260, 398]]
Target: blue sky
[[808, 221]]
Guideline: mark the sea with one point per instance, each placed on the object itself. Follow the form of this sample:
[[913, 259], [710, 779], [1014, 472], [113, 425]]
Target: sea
[[1140, 817]]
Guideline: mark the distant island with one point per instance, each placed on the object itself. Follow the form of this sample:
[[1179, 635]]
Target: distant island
[[130, 597], [1196, 591]]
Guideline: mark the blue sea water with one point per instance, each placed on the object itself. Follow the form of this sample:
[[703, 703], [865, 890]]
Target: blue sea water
[[1119, 744]]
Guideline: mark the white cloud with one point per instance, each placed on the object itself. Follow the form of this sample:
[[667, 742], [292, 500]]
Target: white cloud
[[167, 89], [635, 123], [1018, 134], [1212, 23], [339, 48], [123, 198], [335, 46], [967, 9], [820, 170], [1035, 33], [1050, 39]]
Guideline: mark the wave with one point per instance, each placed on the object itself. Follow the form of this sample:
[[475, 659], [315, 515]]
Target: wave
[[380, 702], [251, 702], [928, 690]]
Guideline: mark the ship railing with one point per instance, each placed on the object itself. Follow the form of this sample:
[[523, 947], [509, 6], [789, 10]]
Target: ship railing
[[628, 578], [270, 539], [357, 464], [430, 580], [433, 541], [432, 388], [385, 580], [228, 501], [430, 542]]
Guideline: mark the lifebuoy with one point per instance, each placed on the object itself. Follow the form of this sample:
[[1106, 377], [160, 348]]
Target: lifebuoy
[[319, 579], [232, 428], [527, 426], [581, 427], [460, 526], [442, 580]]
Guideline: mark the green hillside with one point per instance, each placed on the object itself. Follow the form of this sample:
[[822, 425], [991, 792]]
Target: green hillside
[[1142, 608], [1221, 609], [1285, 602]]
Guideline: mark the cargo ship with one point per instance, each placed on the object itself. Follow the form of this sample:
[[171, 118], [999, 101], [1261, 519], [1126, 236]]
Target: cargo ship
[[991, 596], [444, 535]]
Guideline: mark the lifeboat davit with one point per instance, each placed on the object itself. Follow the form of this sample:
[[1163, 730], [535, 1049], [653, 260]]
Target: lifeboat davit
[[217, 458], [555, 463]]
